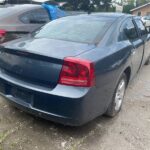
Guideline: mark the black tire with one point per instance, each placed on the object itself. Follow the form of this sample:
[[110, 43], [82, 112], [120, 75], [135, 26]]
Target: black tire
[[148, 62], [111, 111]]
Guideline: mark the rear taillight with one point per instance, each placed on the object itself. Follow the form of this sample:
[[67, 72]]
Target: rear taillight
[[2, 35], [77, 72]]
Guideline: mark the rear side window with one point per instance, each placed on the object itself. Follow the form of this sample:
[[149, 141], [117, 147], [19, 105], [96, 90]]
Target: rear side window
[[128, 25], [141, 27], [38, 16]]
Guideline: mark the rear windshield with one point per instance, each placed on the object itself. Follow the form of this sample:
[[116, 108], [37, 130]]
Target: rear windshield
[[75, 30]]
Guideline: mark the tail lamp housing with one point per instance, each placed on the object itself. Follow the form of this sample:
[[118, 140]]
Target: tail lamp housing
[[77, 72], [2, 35]]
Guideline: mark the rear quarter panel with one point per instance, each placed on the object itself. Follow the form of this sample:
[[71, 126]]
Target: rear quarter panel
[[110, 62]]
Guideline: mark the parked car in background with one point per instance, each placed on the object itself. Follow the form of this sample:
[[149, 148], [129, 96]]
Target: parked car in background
[[19, 20], [2, 2], [75, 68], [146, 21]]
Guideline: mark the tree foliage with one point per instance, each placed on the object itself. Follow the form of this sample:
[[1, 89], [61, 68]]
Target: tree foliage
[[141, 2], [129, 6], [88, 5]]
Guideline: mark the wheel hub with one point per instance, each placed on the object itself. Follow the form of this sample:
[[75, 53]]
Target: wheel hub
[[120, 95]]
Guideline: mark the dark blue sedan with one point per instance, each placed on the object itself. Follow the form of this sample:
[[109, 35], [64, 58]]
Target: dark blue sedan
[[76, 68]]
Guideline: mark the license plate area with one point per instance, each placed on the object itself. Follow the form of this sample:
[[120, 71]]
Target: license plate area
[[22, 95]]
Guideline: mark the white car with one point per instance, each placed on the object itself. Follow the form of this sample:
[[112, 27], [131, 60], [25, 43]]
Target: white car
[[2, 1], [146, 20]]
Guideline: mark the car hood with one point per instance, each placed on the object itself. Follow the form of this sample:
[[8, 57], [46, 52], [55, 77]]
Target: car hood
[[49, 47]]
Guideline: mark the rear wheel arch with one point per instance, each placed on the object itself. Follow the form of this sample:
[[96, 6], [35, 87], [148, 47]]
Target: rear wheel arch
[[118, 97], [127, 72]]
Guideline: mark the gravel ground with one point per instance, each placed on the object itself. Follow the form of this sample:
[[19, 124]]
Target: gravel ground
[[130, 130]]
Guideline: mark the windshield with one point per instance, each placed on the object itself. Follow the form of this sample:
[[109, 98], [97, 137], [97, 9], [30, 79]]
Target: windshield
[[70, 29]]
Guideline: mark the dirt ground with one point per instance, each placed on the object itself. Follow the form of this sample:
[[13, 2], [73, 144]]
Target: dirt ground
[[130, 130]]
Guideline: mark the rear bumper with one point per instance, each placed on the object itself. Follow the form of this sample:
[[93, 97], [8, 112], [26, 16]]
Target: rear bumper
[[46, 115], [65, 105]]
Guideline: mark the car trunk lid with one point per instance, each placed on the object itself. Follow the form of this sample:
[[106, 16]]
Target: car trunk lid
[[36, 61]]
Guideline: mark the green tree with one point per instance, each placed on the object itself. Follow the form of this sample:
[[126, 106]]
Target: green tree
[[88, 5], [106, 4], [129, 6]]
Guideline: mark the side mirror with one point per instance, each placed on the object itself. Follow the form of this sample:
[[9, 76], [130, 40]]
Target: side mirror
[[130, 33]]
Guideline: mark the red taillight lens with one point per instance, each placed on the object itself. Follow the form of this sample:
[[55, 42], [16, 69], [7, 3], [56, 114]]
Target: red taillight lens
[[2, 33], [77, 72]]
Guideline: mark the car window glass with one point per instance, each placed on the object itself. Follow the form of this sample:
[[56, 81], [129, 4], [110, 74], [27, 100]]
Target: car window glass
[[141, 27], [39, 16], [128, 25], [70, 29]]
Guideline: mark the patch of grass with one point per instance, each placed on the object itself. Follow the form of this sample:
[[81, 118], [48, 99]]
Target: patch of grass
[[4, 135], [7, 133], [1, 147]]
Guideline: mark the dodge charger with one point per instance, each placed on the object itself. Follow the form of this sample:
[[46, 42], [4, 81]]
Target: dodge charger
[[76, 68]]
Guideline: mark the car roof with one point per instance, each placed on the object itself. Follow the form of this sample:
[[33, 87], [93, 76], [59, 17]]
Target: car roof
[[104, 16], [110, 15]]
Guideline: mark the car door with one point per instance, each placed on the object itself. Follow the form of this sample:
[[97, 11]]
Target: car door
[[145, 36], [138, 46]]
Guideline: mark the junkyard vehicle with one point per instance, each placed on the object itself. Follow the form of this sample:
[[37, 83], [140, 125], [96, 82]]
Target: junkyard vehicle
[[19, 20], [146, 20], [75, 68]]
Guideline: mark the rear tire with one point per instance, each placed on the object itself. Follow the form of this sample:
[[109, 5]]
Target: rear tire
[[116, 104], [148, 62]]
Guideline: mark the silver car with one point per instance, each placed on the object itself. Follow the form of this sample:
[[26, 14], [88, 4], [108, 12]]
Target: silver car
[[146, 20], [19, 20]]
